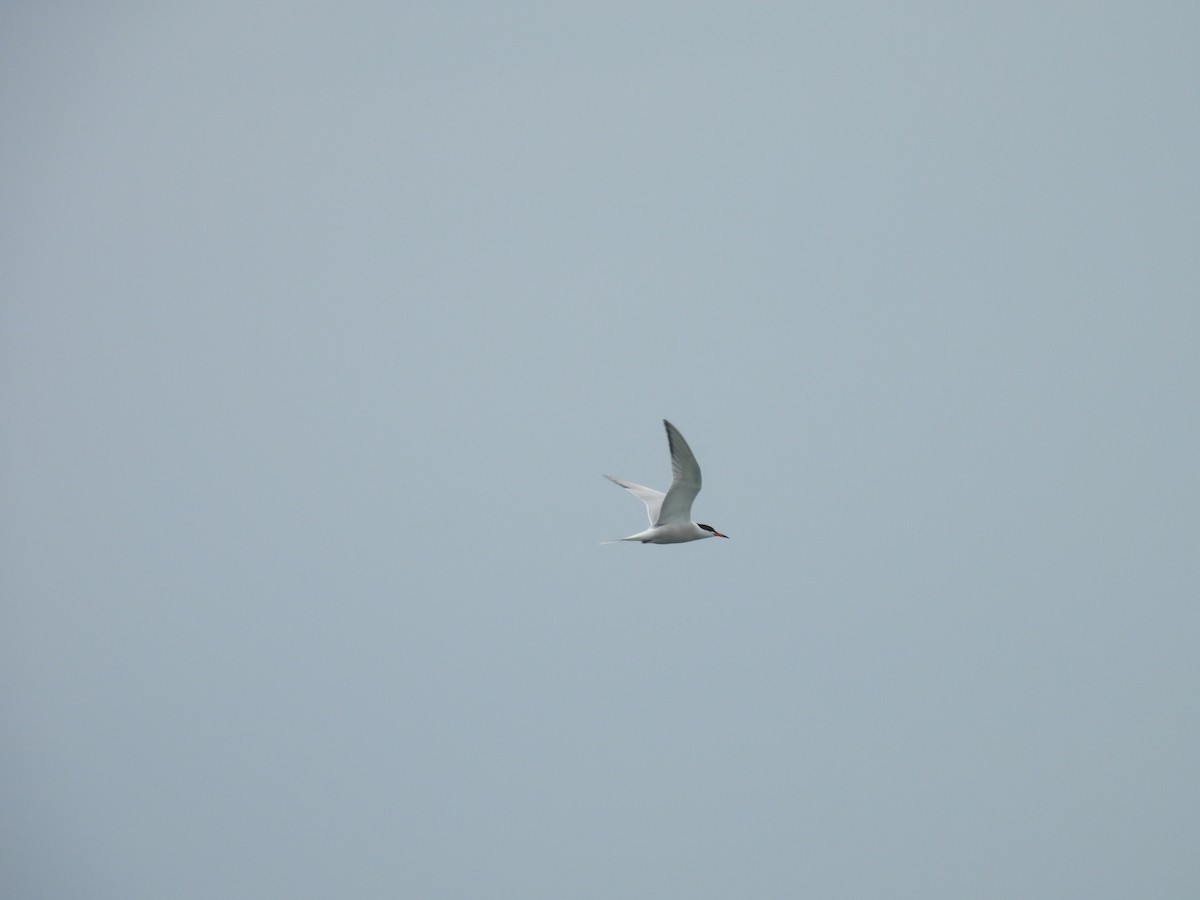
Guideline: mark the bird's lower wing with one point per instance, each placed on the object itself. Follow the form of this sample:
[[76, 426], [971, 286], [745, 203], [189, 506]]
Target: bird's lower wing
[[652, 498]]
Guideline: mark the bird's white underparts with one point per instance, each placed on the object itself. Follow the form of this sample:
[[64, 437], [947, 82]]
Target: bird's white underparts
[[671, 513]]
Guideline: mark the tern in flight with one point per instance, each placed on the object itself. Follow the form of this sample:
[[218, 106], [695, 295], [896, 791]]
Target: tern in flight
[[671, 513]]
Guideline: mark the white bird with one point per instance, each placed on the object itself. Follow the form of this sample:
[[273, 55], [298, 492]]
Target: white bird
[[671, 513]]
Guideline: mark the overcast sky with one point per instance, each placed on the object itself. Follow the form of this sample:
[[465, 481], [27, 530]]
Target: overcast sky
[[319, 327]]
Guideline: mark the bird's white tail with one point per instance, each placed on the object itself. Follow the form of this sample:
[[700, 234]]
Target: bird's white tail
[[632, 537]]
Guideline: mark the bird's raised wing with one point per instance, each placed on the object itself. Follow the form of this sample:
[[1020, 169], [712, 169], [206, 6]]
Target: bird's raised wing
[[685, 481], [652, 498]]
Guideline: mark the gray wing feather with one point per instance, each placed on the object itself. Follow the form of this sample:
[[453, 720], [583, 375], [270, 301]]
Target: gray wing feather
[[652, 498], [685, 481]]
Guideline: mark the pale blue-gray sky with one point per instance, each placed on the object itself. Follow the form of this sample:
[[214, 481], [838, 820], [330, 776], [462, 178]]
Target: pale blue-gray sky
[[319, 327]]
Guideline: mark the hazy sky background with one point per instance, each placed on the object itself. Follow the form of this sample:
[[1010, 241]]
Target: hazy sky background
[[320, 326]]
